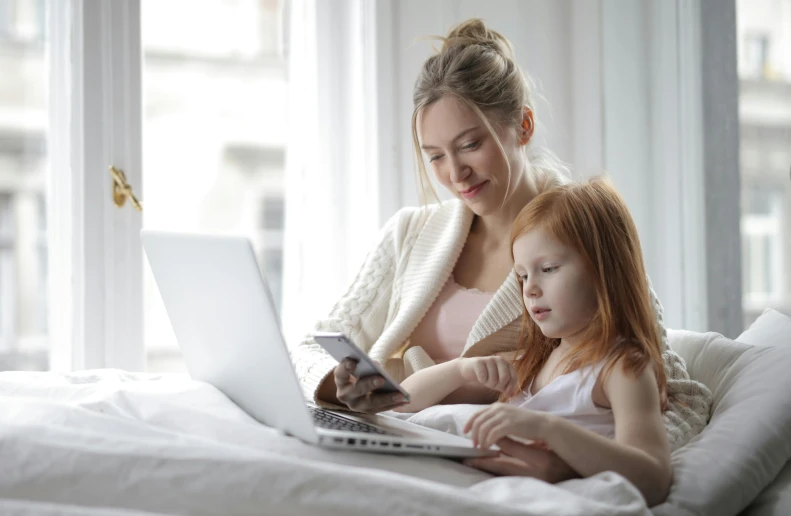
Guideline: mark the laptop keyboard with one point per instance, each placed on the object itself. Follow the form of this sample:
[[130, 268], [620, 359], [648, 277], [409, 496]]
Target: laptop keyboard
[[325, 419]]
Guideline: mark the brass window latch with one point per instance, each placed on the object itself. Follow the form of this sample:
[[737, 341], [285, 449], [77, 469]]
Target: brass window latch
[[122, 190]]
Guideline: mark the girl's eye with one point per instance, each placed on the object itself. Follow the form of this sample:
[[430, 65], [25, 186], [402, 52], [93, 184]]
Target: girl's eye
[[523, 277], [550, 269]]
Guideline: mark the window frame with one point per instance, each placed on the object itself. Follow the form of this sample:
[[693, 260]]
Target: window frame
[[95, 265]]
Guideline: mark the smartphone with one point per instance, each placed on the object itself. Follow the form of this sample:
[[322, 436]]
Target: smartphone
[[340, 347]]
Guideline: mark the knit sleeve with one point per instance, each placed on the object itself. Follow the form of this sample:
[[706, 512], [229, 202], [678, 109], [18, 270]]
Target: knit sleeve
[[689, 401], [360, 313]]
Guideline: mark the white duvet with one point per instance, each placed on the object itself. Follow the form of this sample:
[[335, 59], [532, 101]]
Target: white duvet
[[109, 442]]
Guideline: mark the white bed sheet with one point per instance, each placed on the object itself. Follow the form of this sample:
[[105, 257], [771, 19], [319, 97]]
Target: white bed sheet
[[110, 442]]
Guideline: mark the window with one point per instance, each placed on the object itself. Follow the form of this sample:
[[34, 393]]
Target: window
[[23, 165], [762, 254], [23, 21], [756, 55], [213, 152], [765, 154]]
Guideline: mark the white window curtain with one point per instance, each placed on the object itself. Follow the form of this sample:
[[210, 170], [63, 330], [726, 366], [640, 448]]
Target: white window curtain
[[331, 200]]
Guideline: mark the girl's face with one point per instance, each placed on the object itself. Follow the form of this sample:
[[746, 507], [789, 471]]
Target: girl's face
[[556, 287], [465, 158]]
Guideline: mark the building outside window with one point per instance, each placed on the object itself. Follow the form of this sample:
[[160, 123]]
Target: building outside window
[[213, 144], [23, 171], [764, 47]]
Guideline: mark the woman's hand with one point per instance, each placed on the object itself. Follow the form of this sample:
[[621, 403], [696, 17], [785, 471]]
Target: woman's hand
[[501, 420], [357, 394], [494, 372], [525, 460]]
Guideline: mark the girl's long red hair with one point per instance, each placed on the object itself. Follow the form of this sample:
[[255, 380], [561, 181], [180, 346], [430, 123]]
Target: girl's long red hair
[[592, 218]]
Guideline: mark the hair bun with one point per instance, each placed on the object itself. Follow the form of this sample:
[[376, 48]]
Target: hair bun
[[475, 32]]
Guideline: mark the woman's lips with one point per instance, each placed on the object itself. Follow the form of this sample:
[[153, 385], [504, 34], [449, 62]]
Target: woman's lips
[[472, 192]]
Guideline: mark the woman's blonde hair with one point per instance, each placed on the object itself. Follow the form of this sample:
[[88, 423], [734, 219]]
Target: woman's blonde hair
[[593, 219], [476, 65]]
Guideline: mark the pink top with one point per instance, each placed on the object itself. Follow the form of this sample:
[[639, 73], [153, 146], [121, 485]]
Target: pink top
[[443, 332]]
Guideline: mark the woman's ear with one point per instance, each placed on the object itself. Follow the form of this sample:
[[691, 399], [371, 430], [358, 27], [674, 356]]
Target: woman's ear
[[526, 131]]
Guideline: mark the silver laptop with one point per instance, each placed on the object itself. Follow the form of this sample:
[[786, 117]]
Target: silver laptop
[[226, 325]]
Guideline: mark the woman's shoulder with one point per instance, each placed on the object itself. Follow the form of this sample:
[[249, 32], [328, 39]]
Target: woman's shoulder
[[410, 219], [443, 207]]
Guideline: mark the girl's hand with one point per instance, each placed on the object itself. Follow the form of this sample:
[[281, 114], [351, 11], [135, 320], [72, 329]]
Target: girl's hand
[[501, 420], [493, 372]]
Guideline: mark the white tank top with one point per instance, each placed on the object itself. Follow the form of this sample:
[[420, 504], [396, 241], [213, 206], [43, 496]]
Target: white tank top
[[570, 396]]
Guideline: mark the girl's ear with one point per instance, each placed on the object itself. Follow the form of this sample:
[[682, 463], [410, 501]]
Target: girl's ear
[[526, 130]]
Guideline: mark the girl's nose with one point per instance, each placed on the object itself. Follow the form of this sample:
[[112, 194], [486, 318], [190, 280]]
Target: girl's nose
[[531, 288]]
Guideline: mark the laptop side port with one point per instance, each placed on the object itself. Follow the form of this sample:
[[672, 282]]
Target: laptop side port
[[351, 441]]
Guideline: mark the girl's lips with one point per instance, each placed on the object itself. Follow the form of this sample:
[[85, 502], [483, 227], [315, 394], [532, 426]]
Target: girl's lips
[[539, 314], [472, 192]]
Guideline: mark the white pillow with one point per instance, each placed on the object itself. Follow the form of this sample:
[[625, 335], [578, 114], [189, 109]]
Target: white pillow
[[748, 439], [772, 328], [708, 356]]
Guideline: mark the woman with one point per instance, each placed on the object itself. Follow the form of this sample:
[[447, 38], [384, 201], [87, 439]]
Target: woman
[[438, 284]]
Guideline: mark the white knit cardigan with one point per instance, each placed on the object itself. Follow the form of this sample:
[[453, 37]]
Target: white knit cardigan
[[402, 276]]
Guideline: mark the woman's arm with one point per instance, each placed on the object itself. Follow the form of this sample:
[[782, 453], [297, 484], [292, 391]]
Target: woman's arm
[[689, 401], [640, 451], [360, 313]]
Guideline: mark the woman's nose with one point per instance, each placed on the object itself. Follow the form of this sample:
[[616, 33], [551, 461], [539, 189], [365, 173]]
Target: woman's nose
[[458, 170]]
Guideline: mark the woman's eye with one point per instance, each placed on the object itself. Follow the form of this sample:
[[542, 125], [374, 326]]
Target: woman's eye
[[471, 146], [433, 158]]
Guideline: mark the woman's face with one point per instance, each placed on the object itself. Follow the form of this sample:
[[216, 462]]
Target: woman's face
[[465, 158]]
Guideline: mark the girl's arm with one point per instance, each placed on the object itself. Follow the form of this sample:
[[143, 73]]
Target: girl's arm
[[474, 393], [640, 451], [462, 380], [431, 385]]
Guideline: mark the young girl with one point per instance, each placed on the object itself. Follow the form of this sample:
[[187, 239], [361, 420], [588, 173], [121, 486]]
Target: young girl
[[589, 383]]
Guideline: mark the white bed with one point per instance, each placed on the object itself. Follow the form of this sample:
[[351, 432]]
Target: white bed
[[110, 442]]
